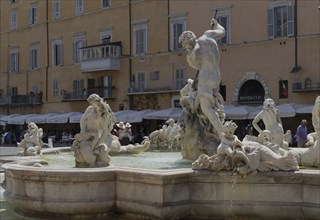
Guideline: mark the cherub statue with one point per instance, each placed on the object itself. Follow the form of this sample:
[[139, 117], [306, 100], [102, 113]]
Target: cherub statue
[[228, 144], [31, 143]]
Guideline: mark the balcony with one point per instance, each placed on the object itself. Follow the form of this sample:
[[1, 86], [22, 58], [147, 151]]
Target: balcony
[[31, 99], [102, 91], [133, 90], [306, 85], [100, 57]]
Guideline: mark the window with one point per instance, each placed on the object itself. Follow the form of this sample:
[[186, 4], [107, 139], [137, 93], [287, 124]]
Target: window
[[14, 61], [154, 75], [77, 87], [177, 27], [34, 57], [105, 36], [105, 3], [77, 44], [105, 86], [140, 40], [57, 53], [223, 18], [55, 88], [14, 20], [33, 15], [281, 21], [35, 89], [141, 82], [56, 9], [179, 80], [79, 6], [14, 90]]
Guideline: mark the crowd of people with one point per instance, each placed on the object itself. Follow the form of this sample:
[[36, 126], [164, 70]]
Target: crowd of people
[[14, 136], [126, 136], [124, 132]]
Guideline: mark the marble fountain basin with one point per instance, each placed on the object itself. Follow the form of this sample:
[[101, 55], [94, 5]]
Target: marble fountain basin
[[150, 193]]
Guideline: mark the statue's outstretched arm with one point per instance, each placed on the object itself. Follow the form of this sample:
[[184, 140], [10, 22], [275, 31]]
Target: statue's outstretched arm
[[217, 31]]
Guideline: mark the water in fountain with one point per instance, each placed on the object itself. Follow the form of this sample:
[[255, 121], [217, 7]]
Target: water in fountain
[[145, 160]]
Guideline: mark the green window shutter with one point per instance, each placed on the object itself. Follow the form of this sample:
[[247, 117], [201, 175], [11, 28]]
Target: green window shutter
[[290, 20], [270, 23]]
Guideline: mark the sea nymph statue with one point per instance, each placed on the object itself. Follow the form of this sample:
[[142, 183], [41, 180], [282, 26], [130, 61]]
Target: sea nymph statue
[[95, 140]]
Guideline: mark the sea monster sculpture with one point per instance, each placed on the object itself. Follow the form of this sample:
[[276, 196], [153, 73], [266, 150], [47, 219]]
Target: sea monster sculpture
[[246, 157], [94, 142], [31, 144], [167, 137]]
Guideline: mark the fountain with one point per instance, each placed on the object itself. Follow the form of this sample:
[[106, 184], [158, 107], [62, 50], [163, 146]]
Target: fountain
[[250, 179]]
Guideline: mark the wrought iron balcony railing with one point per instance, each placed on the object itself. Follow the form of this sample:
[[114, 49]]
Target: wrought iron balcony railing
[[134, 90], [306, 85], [103, 92], [30, 99]]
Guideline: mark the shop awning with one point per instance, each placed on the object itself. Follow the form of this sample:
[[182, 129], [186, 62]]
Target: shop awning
[[40, 118], [75, 118], [236, 112], [61, 118], [304, 109], [19, 119], [164, 114]]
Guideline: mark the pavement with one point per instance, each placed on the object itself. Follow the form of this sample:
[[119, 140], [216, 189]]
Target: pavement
[[8, 151]]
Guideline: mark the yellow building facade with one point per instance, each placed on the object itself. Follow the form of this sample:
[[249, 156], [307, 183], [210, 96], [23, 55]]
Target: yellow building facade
[[54, 53]]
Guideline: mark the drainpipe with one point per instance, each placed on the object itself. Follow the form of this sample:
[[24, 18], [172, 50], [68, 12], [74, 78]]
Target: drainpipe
[[296, 68], [168, 10], [47, 36], [130, 54]]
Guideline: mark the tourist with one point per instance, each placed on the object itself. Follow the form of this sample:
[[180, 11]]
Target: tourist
[[115, 131], [139, 137], [129, 132], [301, 134], [121, 131], [125, 134], [203, 55]]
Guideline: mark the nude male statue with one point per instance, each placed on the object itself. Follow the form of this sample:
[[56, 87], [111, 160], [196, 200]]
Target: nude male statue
[[203, 55]]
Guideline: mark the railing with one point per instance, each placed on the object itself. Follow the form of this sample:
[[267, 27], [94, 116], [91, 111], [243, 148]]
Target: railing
[[100, 57], [135, 90], [306, 85], [103, 92], [21, 99]]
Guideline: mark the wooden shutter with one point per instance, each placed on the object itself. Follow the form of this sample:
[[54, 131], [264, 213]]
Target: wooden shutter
[[270, 23], [290, 13]]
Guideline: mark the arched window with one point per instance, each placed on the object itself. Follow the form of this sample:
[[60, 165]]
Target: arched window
[[251, 92]]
